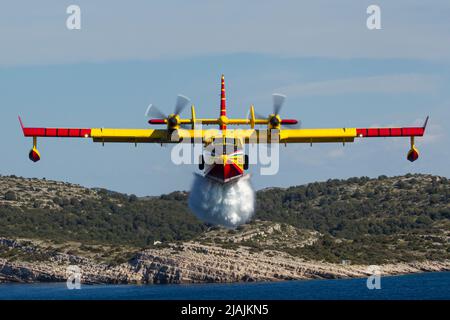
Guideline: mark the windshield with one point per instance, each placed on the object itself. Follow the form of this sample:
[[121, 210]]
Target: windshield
[[219, 147]]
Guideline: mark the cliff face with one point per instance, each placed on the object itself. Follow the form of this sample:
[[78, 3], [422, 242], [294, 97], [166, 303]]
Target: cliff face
[[190, 262], [199, 263]]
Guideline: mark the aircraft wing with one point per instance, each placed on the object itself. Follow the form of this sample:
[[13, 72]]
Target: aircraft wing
[[162, 136], [248, 135], [100, 134], [346, 134]]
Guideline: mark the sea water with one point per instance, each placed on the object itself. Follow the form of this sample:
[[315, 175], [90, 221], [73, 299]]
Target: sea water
[[416, 286]]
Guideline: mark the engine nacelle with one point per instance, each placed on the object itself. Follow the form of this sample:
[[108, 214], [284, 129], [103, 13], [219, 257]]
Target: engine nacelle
[[34, 155]]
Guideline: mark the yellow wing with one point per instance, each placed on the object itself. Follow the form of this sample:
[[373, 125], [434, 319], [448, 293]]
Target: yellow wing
[[316, 135]]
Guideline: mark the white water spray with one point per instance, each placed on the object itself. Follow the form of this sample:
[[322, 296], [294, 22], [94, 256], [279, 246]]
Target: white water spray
[[228, 205]]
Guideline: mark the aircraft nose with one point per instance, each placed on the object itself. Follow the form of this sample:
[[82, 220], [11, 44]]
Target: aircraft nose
[[224, 159]]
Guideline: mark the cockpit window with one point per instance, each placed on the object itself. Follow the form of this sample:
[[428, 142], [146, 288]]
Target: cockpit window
[[220, 148]]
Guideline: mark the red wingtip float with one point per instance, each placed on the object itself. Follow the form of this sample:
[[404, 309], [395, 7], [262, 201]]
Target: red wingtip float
[[413, 154], [223, 148], [34, 155]]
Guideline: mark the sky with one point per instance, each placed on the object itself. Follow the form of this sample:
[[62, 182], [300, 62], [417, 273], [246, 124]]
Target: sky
[[333, 69]]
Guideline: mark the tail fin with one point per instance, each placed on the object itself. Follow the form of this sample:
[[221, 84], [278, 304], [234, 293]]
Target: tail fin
[[223, 103], [425, 124], [21, 124]]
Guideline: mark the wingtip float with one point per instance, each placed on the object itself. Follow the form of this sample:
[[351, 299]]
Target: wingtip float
[[232, 163]]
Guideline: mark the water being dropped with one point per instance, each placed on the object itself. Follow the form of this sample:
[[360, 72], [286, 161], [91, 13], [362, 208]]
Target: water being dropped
[[228, 205]]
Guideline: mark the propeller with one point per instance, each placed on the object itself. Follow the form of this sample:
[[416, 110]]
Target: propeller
[[154, 112], [278, 101], [257, 115], [158, 116], [182, 102], [274, 119]]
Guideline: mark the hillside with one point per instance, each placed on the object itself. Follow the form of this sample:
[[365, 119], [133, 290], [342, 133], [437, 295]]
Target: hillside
[[34, 208], [367, 220], [338, 226]]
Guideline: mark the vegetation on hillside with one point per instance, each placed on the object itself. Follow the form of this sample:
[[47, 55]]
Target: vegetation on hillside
[[359, 219], [367, 220], [112, 218]]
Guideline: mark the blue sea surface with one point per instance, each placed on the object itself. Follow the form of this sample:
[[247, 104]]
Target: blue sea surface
[[422, 286]]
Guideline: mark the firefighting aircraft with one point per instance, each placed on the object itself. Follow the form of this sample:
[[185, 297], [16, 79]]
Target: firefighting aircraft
[[223, 158]]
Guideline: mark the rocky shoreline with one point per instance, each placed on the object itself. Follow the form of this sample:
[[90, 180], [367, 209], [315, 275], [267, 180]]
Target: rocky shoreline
[[189, 262]]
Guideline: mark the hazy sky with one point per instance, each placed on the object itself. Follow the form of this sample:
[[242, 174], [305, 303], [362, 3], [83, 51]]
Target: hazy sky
[[334, 71]]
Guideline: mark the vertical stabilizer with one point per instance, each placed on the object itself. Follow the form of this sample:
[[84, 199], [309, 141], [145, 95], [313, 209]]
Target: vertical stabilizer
[[223, 103]]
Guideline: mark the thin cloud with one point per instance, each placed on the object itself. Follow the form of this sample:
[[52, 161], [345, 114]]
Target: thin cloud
[[336, 153], [401, 83]]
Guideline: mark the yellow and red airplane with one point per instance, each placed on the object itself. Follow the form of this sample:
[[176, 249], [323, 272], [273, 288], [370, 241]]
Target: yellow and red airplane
[[223, 158]]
